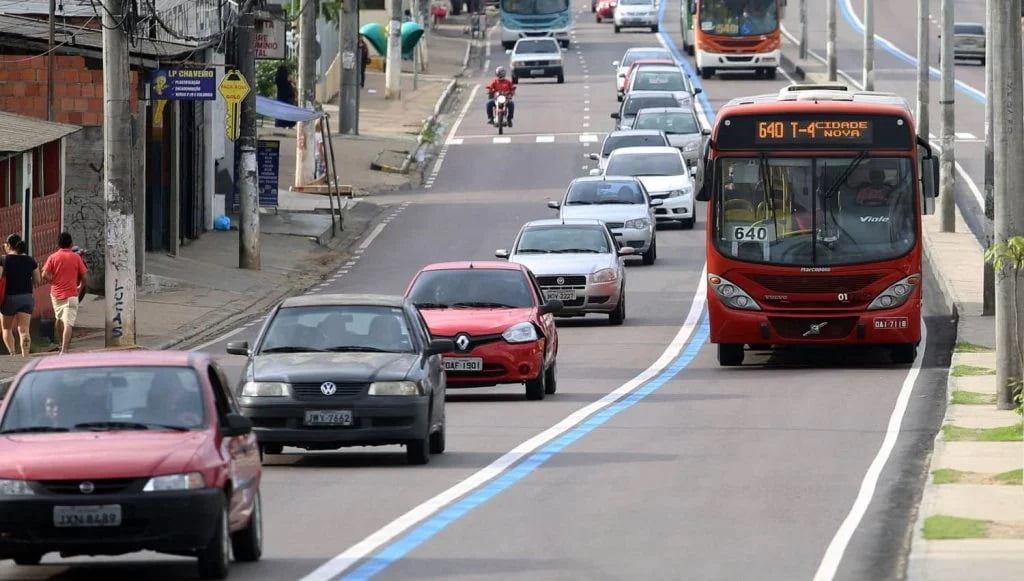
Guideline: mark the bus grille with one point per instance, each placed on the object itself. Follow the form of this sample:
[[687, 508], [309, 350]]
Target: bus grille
[[843, 283]]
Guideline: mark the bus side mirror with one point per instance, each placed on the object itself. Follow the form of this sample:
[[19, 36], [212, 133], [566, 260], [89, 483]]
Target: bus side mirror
[[929, 183]]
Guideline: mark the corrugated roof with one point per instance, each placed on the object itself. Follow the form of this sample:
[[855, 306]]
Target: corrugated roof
[[19, 133]]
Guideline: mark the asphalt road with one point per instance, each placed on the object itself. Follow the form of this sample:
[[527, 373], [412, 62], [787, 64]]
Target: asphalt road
[[700, 472]]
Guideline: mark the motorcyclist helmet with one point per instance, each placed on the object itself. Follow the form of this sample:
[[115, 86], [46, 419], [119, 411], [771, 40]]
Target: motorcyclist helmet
[[500, 72]]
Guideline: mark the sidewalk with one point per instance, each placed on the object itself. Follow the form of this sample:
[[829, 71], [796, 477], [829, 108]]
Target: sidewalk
[[971, 519]]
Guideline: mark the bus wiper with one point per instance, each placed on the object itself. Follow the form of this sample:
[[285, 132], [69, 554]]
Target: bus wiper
[[831, 191]]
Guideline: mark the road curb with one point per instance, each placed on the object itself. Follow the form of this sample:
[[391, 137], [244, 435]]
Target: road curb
[[428, 125]]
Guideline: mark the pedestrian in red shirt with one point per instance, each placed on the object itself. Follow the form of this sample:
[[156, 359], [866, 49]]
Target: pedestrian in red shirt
[[65, 271]]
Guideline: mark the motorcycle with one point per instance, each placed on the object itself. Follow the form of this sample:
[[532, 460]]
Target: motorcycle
[[501, 111]]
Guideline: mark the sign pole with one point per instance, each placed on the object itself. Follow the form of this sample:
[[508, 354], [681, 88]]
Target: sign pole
[[246, 176]]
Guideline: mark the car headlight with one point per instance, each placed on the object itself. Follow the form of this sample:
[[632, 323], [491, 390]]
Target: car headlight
[[897, 294], [520, 333], [637, 224], [395, 388], [732, 295], [676, 193], [186, 481], [264, 389], [14, 488], [604, 275], [691, 146]]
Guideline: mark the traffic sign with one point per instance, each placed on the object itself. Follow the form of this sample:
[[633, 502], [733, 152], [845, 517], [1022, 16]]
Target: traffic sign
[[233, 87], [233, 120]]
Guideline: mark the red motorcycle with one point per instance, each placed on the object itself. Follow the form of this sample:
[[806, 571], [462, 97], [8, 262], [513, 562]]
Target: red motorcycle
[[501, 101]]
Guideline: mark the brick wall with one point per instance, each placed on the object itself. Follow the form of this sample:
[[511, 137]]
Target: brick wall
[[78, 91]]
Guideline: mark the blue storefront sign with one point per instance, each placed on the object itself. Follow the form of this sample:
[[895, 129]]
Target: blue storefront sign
[[268, 162], [185, 84]]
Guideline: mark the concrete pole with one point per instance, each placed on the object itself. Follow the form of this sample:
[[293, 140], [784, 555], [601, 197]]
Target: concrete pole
[[831, 44], [1008, 138], [393, 77], [304, 136], [947, 165], [869, 46], [803, 28], [988, 296], [348, 96], [923, 71], [50, 56], [245, 179], [117, 180], [423, 12]]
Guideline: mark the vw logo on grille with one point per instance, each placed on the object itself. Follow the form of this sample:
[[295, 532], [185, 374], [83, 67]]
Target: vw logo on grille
[[87, 487], [328, 388], [560, 280], [462, 342]]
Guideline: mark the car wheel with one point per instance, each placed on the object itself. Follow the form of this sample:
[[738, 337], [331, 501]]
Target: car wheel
[[730, 354], [617, 29], [687, 223], [654, 29], [707, 73], [535, 388], [515, 79], [598, 20], [550, 381], [28, 559], [561, 78], [508, 45], [247, 544], [215, 558], [417, 452], [437, 442], [652, 253], [617, 316], [771, 73], [903, 353], [565, 44]]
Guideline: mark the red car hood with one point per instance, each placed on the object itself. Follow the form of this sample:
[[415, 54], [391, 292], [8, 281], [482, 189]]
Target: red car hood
[[449, 322], [97, 455]]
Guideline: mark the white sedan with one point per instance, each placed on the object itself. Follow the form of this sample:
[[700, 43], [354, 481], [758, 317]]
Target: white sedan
[[663, 172]]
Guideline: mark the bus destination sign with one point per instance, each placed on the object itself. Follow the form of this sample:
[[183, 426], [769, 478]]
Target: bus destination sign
[[809, 132], [743, 132]]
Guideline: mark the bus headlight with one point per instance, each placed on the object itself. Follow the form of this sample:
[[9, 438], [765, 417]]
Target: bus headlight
[[896, 294], [732, 295]]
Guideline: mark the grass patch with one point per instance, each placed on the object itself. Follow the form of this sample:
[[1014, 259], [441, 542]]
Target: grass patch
[[965, 370], [1011, 477], [961, 397], [966, 347], [947, 476], [1002, 434], [940, 527]]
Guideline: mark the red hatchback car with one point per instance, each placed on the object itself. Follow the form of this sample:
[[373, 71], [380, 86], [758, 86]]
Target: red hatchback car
[[112, 453], [503, 329], [606, 10]]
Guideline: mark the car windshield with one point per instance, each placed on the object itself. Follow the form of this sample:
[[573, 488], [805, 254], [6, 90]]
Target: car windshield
[[613, 142], [472, 287], [648, 164], [646, 80], [973, 29], [124, 397], [738, 17], [672, 123], [534, 6], [367, 328], [636, 55], [563, 240], [604, 192], [635, 104], [536, 46], [821, 211]]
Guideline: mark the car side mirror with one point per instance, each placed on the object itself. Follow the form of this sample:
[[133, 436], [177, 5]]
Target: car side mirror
[[238, 348], [697, 90], [551, 306], [627, 251], [656, 203], [595, 172], [439, 346], [554, 205], [502, 253], [593, 156], [693, 171], [929, 183], [615, 116], [615, 64], [705, 131], [235, 425], [508, 51]]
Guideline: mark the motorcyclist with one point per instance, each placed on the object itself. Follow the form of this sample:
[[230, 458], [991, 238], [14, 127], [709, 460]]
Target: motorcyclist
[[500, 85]]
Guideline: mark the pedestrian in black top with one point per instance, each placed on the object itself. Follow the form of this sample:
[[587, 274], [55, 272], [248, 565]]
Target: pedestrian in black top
[[22, 274], [364, 59], [286, 93]]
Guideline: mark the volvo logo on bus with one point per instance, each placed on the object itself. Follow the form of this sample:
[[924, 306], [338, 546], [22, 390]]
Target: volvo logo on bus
[[815, 329]]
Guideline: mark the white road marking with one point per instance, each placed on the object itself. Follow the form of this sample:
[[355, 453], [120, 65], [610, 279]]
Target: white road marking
[[462, 114], [227, 335], [585, 125], [965, 136], [588, 138], [545, 139], [355, 553], [455, 141], [502, 140]]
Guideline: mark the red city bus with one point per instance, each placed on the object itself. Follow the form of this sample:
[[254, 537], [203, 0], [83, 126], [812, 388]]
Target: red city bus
[[814, 229]]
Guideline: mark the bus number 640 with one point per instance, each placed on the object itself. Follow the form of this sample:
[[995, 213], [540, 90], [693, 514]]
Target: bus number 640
[[750, 233]]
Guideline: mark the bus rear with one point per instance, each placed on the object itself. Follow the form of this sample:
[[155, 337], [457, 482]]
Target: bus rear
[[736, 35], [534, 18], [814, 222]]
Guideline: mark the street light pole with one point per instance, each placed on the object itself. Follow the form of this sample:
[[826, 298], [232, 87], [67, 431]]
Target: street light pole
[[869, 45], [831, 44], [947, 166]]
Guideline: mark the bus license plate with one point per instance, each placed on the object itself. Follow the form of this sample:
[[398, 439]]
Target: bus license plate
[[892, 323]]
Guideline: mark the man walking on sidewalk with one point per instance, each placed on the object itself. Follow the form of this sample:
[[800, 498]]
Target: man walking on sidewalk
[[65, 271]]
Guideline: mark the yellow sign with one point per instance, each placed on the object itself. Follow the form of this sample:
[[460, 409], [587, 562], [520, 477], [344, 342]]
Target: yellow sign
[[233, 87], [233, 123]]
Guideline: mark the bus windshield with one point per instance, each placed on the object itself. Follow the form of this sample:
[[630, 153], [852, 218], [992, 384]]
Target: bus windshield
[[738, 17], [534, 6], [815, 211]]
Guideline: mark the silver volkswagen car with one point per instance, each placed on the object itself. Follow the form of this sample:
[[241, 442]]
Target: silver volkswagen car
[[577, 262], [621, 202]]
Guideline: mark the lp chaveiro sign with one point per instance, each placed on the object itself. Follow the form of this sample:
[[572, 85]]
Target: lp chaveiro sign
[[270, 40]]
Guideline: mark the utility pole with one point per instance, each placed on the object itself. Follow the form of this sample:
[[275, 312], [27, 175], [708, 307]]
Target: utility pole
[[50, 56], [803, 29], [307, 92], [119, 251], [423, 10], [245, 178], [1009, 174], [988, 284], [869, 45], [393, 76], [831, 45], [947, 193], [351, 69], [923, 70]]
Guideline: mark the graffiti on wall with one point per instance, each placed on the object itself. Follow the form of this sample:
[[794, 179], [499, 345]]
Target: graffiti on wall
[[85, 220]]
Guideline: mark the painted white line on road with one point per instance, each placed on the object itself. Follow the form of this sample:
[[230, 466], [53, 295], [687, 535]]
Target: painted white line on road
[[227, 335], [369, 239], [362, 549], [588, 138], [585, 125], [970, 136], [545, 139], [502, 140], [455, 141], [836, 548], [462, 114], [586, 109]]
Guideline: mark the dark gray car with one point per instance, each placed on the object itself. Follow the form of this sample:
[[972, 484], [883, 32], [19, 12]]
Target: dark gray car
[[329, 371], [634, 103]]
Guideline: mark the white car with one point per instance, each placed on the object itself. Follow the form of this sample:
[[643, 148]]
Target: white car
[[663, 172], [635, 54], [636, 14], [577, 262], [536, 57], [626, 138], [651, 78]]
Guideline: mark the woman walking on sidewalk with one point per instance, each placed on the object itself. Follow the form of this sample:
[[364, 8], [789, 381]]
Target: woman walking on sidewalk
[[22, 274]]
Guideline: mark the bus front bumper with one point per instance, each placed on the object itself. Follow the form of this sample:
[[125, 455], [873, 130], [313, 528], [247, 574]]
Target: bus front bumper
[[711, 60], [883, 327]]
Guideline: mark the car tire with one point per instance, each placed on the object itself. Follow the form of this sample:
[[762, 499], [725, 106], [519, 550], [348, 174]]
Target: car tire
[[771, 73], [27, 559], [215, 558], [688, 223], [247, 544], [730, 354], [654, 30], [535, 388], [617, 29], [561, 78], [551, 381], [508, 45], [598, 18], [904, 353], [565, 44], [417, 452], [707, 73], [652, 253], [437, 441], [515, 79], [618, 316]]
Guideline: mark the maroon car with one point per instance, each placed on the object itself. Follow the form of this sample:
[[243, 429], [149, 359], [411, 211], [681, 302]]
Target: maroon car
[[606, 10], [112, 453]]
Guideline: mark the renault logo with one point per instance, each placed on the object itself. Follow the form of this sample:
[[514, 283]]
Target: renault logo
[[462, 342], [87, 487], [815, 329], [328, 388], [560, 280]]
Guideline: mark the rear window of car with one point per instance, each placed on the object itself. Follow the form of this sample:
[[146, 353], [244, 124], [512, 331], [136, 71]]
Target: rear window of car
[[616, 141], [675, 122], [974, 29], [468, 287], [637, 55], [604, 192], [650, 80], [536, 46], [634, 104]]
